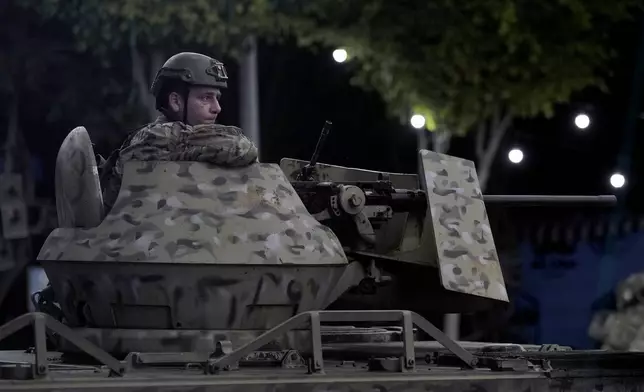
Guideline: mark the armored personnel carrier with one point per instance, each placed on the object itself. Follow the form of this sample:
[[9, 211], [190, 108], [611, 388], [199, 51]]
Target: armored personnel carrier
[[218, 279]]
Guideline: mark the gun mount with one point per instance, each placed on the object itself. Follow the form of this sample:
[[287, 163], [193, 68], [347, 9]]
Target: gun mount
[[410, 224], [220, 269], [307, 170]]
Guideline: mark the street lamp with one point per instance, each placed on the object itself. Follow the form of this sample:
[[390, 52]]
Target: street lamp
[[340, 55], [617, 180], [417, 121], [515, 155], [582, 121]]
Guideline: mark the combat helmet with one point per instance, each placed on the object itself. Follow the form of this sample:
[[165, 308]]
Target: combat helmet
[[193, 69]]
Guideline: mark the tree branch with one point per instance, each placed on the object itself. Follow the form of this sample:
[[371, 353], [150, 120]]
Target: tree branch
[[480, 141], [156, 62], [496, 135], [441, 141], [138, 75], [496, 118]]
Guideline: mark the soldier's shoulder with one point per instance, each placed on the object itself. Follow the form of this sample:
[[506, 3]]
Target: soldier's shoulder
[[231, 127], [138, 130], [159, 122], [158, 128], [134, 135], [218, 128]]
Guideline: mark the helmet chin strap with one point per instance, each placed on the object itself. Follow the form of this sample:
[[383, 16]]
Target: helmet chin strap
[[185, 106]]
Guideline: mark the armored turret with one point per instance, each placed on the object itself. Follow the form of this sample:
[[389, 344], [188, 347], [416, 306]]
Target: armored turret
[[192, 254]]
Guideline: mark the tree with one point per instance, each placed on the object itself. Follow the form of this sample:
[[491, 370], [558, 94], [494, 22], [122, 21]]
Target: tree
[[468, 65], [40, 64], [147, 32]]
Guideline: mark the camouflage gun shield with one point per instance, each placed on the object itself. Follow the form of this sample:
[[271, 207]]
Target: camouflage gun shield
[[463, 241]]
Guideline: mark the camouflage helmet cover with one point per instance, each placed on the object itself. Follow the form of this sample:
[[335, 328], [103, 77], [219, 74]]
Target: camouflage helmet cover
[[194, 69]]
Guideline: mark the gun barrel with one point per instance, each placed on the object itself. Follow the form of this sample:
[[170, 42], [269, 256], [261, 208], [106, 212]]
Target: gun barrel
[[414, 199], [320, 143], [550, 199]]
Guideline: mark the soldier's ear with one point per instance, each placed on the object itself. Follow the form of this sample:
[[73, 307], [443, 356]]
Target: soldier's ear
[[175, 102]]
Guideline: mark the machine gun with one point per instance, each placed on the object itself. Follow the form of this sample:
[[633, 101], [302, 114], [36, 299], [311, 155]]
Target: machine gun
[[400, 224], [372, 199]]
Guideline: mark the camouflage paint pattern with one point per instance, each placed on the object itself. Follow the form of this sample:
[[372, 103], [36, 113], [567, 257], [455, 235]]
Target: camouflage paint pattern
[[192, 212], [190, 245], [460, 232], [79, 202], [192, 296], [164, 140]]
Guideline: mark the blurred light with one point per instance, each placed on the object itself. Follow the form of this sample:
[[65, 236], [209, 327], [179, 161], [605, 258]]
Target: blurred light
[[515, 155], [582, 121], [340, 55], [417, 121], [617, 180]]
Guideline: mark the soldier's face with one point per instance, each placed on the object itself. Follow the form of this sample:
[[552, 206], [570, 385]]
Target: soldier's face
[[202, 106]]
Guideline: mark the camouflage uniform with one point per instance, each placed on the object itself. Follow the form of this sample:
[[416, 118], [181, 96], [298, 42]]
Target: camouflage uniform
[[165, 140], [623, 328]]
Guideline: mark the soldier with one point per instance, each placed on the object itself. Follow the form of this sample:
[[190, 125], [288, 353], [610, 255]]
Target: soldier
[[187, 90]]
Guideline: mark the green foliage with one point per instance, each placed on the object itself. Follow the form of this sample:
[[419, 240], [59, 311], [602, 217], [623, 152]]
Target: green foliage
[[132, 38], [125, 41], [24, 48], [457, 61], [104, 26], [466, 59], [41, 70]]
